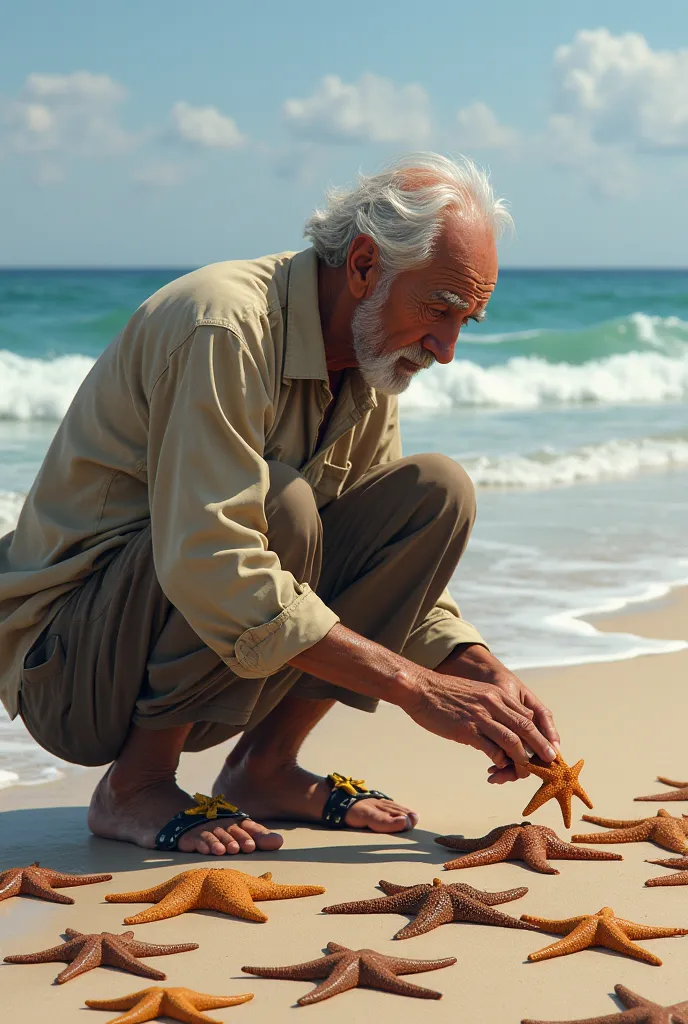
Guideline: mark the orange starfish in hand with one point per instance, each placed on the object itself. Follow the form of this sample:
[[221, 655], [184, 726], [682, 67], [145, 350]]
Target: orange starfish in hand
[[180, 1003], [601, 929], [560, 783]]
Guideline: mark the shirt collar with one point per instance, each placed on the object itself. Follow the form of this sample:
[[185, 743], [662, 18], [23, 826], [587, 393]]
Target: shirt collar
[[305, 355]]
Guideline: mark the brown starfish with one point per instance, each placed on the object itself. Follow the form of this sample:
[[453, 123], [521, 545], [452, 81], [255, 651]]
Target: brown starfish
[[679, 793], [84, 952], [352, 968], [678, 878], [37, 881], [638, 1011], [601, 929], [560, 783], [180, 1003], [222, 889], [532, 844], [663, 829], [436, 904]]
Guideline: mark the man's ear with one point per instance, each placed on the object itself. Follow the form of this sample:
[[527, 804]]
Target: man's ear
[[362, 266]]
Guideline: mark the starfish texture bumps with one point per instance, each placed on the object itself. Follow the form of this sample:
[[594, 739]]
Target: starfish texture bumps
[[179, 1003], [103, 949], [436, 904], [532, 844], [663, 829], [222, 889], [356, 968], [42, 882], [560, 783], [680, 792], [679, 877], [601, 929], [638, 1010]]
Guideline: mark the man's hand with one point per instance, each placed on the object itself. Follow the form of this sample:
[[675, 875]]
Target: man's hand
[[481, 715], [476, 662]]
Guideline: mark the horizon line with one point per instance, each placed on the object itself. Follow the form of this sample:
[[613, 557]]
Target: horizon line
[[147, 267]]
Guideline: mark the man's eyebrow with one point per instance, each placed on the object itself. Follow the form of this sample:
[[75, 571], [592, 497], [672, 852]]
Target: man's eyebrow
[[452, 299]]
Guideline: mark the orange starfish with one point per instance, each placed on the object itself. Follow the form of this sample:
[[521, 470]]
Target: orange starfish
[[560, 782], [601, 929], [180, 1003], [663, 829], [38, 881], [678, 878], [222, 889], [638, 1010], [679, 793]]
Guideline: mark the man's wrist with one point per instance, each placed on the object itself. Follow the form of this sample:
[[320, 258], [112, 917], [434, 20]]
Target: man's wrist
[[473, 661]]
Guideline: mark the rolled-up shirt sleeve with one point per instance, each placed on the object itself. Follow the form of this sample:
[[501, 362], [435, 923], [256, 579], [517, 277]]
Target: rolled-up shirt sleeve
[[208, 481], [443, 628]]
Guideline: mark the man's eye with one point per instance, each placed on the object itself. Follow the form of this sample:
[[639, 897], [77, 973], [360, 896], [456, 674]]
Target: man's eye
[[437, 312]]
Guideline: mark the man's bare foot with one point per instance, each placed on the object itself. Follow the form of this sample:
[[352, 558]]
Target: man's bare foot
[[288, 793], [137, 815]]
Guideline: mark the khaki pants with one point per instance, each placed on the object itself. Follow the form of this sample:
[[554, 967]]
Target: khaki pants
[[118, 652]]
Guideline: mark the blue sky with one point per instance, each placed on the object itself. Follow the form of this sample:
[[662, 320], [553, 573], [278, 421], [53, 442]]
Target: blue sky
[[166, 133]]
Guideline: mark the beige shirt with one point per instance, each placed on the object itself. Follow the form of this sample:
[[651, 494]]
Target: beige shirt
[[215, 373]]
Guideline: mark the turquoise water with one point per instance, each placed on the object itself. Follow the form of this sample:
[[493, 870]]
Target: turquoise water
[[568, 407]]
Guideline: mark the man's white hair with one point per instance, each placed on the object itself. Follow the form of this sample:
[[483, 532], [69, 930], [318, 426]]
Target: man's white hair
[[404, 216]]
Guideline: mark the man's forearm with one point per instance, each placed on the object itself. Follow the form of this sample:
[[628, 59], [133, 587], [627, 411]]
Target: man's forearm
[[473, 661], [353, 662]]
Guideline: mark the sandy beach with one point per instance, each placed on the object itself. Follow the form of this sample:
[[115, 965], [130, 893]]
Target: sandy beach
[[626, 719]]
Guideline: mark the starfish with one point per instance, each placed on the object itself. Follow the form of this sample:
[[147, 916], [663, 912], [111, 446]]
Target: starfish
[[679, 793], [41, 882], [638, 1010], [601, 929], [559, 783], [436, 904], [352, 968], [222, 889], [84, 952], [530, 843], [678, 878], [663, 829], [180, 1003]]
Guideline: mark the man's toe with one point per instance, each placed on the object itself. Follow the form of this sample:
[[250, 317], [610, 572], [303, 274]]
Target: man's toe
[[263, 837]]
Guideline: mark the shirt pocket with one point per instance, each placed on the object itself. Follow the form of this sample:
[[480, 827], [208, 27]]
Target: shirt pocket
[[331, 483], [45, 660]]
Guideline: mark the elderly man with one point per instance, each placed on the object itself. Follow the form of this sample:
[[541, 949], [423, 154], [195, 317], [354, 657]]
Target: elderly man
[[224, 537]]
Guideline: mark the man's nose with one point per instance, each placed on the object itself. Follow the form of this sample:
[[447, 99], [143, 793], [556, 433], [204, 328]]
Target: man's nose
[[441, 346]]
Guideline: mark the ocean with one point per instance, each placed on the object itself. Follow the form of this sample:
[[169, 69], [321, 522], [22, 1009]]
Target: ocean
[[568, 407]]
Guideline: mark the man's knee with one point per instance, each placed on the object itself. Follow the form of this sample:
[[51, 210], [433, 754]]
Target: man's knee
[[294, 526], [447, 485]]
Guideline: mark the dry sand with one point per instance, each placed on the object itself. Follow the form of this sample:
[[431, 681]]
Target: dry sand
[[627, 719]]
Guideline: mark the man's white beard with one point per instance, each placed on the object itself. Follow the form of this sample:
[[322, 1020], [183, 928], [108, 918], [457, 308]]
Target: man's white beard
[[378, 368]]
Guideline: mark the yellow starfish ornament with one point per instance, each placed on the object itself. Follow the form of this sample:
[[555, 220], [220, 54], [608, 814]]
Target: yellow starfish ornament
[[560, 783], [222, 889], [601, 929], [180, 1003]]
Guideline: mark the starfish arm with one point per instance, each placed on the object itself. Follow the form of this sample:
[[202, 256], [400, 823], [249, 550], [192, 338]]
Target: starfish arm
[[647, 931], [613, 822], [494, 899], [186, 1009], [562, 927], [580, 938], [465, 845], [233, 898], [391, 888], [171, 905], [126, 1002], [490, 855], [544, 793], [374, 975], [263, 888], [151, 949], [612, 935], [157, 892], [672, 782], [113, 956], [204, 1002], [563, 798], [309, 971], [660, 798], [401, 903], [344, 976], [89, 957], [436, 909], [620, 835], [60, 880], [670, 836], [56, 954], [32, 887], [10, 884], [671, 862], [400, 965], [625, 1017], [476, 912], [679, 878], [582, 795], [560, 850]]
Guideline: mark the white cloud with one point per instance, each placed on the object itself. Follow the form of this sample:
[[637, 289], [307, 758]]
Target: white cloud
[[205, 126], [76, 112], [159, 176], [372, 110], [617, 91], [480, 129]]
